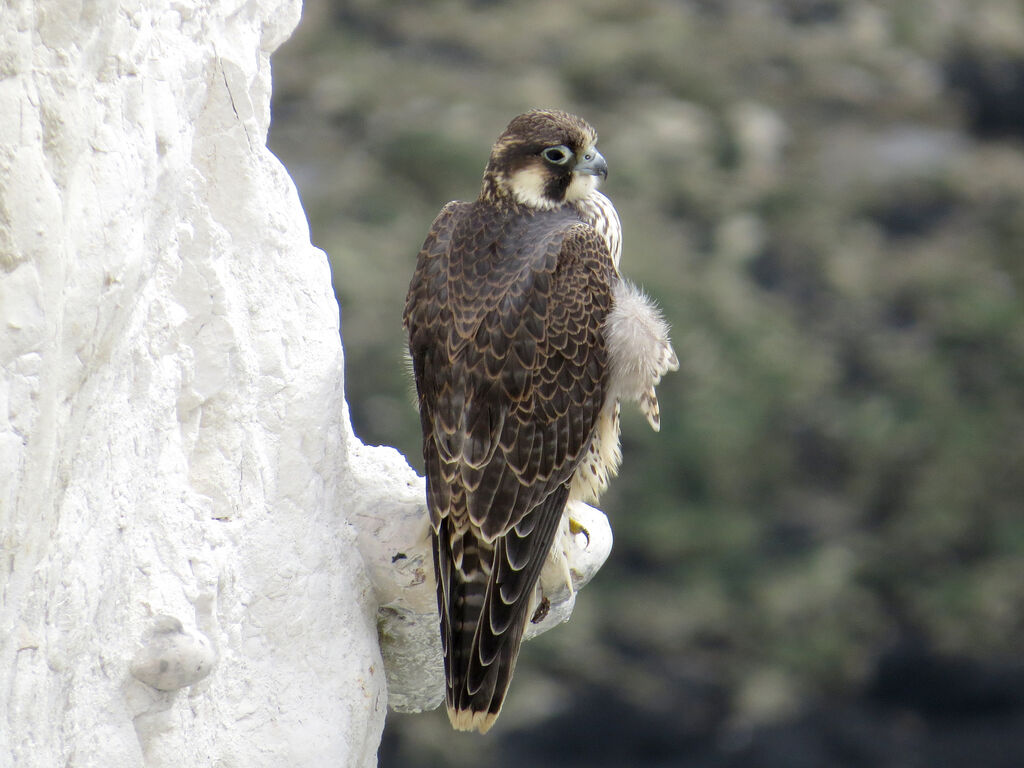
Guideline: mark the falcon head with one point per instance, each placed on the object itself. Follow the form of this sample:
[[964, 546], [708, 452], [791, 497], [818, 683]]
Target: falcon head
[[543, 160]]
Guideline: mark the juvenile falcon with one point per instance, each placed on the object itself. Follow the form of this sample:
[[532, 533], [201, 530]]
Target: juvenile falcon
[[523, 339]]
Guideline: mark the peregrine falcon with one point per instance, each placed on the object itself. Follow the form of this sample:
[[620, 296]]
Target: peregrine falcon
[[524, 339]]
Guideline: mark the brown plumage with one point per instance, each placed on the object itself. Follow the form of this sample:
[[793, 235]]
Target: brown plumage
[[505, 316]]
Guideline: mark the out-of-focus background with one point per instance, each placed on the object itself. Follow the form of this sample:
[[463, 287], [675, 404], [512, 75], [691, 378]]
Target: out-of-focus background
[[819, 561]]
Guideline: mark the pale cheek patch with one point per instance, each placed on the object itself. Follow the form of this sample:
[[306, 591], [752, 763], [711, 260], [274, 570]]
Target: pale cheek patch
[[527, 185], [580, 187]]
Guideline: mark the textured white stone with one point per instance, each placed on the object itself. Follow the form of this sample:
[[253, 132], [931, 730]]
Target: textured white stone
[[173, 435], [171, 657], [179, 482]]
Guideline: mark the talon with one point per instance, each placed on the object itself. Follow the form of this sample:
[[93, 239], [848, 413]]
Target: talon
[[542, 611], [575, 528]]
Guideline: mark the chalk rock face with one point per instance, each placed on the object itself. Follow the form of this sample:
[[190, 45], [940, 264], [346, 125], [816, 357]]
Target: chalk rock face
[[173, 432]]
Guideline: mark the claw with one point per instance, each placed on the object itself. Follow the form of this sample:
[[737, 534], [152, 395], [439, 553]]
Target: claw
[[543, 608], [575, 529]]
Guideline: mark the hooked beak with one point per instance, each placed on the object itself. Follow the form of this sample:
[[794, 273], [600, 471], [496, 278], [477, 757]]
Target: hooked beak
[[592, 163]]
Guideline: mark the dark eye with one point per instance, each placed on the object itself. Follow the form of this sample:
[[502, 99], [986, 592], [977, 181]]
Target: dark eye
[[558, 155]]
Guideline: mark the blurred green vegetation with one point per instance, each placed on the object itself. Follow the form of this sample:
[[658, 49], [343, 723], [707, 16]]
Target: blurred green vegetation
[[827, 199]]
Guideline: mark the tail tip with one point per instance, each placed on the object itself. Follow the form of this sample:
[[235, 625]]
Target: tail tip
[[471, 720]]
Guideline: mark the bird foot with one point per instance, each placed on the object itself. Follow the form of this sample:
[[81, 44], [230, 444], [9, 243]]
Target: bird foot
[[576, 528]]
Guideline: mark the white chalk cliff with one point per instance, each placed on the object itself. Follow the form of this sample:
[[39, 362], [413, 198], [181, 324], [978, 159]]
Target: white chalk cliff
[[197, 556]]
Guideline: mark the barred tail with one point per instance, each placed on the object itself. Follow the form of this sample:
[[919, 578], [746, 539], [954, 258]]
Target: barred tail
[[484, 594]]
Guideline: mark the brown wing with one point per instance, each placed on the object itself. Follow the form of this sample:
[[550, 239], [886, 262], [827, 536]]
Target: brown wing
[[504, 318]]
